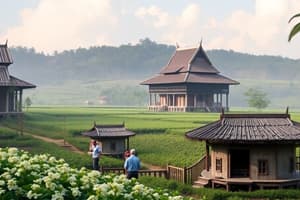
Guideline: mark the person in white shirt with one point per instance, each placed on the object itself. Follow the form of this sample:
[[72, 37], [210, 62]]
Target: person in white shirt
[[96, 152]]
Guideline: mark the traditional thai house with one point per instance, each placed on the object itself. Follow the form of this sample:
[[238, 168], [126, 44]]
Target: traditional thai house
[[11, 88], [254, 150], [189, 82], [113, 139]]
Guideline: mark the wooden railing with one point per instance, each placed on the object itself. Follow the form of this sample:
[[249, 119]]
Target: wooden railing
[[176, 173], [194, 171], [155, 173], [184, 175]]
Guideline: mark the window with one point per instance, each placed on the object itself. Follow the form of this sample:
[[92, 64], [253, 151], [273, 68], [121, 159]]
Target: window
[[219, 165], [113, 146], [263, 168]]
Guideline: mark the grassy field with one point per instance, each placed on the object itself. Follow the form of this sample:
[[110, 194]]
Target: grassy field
[[160, 137], [159, 140]]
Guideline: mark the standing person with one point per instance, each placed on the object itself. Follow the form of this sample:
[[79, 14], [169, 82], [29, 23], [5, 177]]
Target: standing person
[[132, 165], [96, 151]]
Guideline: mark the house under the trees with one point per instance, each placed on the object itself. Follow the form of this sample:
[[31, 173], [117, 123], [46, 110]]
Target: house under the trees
[[11, 88], [250, 150], [189, 82]]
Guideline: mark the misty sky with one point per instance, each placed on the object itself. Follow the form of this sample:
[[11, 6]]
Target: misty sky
[[259, 27]]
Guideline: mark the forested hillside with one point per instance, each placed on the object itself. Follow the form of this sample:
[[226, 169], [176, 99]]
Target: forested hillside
[[111, 75]]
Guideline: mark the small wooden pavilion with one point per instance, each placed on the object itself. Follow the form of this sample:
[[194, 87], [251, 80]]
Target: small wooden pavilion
[[113, 139], [11, 88], [253, 150], [189, 82]]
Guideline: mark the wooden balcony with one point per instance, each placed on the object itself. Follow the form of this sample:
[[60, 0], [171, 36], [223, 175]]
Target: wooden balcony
[[165, 108]]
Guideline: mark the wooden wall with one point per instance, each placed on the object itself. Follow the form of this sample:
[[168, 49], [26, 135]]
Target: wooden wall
[[3, 99], [106, 145], [219, 152], [278, 157]]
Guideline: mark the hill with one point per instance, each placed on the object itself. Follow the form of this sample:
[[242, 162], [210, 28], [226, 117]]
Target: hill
[[111, 75]]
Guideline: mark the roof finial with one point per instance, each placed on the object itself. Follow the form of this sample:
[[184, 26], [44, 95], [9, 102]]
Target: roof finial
[[177, 45], [6, 42], [200, 42], [287, 110], [123, 123]]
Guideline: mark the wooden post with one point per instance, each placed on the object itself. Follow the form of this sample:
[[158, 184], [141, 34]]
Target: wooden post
[[150, 99], [127, 143], [227, 104], [15, 100], [173, 100], [20, 102], [221, 95], [7, 100], [186, 102], [184, 175], [207, 156]]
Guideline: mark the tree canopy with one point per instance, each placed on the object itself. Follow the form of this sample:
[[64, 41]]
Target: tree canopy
[[257, 98]]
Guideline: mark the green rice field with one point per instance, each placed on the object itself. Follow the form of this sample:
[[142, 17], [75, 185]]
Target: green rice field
[[160, 136]]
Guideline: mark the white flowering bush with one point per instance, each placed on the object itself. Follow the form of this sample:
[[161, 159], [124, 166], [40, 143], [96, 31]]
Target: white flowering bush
[[23, 176]]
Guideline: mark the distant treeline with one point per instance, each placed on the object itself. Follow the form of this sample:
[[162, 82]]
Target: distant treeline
[[89, 73], [139, 61]]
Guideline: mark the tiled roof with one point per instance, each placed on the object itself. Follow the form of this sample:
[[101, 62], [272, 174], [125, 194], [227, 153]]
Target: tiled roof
[[249, 128], [107, 131], [189, 66], [190, 78], [5, 57], [15, 82], [4, 75]]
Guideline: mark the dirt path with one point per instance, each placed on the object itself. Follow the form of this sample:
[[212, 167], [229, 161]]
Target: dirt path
[[64, 144], [59, 142]]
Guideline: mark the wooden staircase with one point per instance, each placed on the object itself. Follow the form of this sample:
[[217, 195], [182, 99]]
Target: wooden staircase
[[202, 182]]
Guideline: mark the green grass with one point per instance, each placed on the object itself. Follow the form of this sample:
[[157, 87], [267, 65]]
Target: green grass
[[12, 138], [160, 136]]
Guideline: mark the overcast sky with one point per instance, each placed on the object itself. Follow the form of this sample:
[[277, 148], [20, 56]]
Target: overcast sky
[[251, 26]]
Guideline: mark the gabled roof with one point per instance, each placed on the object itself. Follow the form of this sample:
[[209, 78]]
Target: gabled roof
[[15, 82], [108, 131], [5, 58], [4, 75], [189, 66], [249, 128], [189, 60], [5, 79]]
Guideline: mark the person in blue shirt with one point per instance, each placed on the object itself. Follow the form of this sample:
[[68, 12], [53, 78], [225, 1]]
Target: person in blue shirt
[[96, 151], [132, 165]]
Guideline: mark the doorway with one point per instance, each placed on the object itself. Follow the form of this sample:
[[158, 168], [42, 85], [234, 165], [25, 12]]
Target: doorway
[[239, 163]]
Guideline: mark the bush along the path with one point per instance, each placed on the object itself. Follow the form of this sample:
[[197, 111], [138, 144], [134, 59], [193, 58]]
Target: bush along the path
[[25, 176]]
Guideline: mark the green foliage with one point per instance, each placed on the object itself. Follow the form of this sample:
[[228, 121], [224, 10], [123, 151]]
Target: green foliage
[[257, 98], [79, 76], [295, 29], [27, 102]]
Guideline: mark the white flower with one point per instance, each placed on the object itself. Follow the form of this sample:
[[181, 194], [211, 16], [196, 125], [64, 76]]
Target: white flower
[[35, 186], [57, 196], [12, 184], [92, 197], [12, 151], [75, 192], [2, 182]]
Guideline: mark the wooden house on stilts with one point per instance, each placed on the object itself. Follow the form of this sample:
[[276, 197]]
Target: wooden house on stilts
[[250, 150], [11, 88], [189, 82]]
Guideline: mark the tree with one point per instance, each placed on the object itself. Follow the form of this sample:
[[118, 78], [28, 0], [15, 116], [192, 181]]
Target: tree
[[27, 102], [295, 29], [257, 98]]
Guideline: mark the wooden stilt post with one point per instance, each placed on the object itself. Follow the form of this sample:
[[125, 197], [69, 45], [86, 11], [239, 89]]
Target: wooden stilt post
[[207, 156]]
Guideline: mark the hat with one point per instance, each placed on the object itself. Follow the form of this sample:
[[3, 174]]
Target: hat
[[94, 142], [132, 151]]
